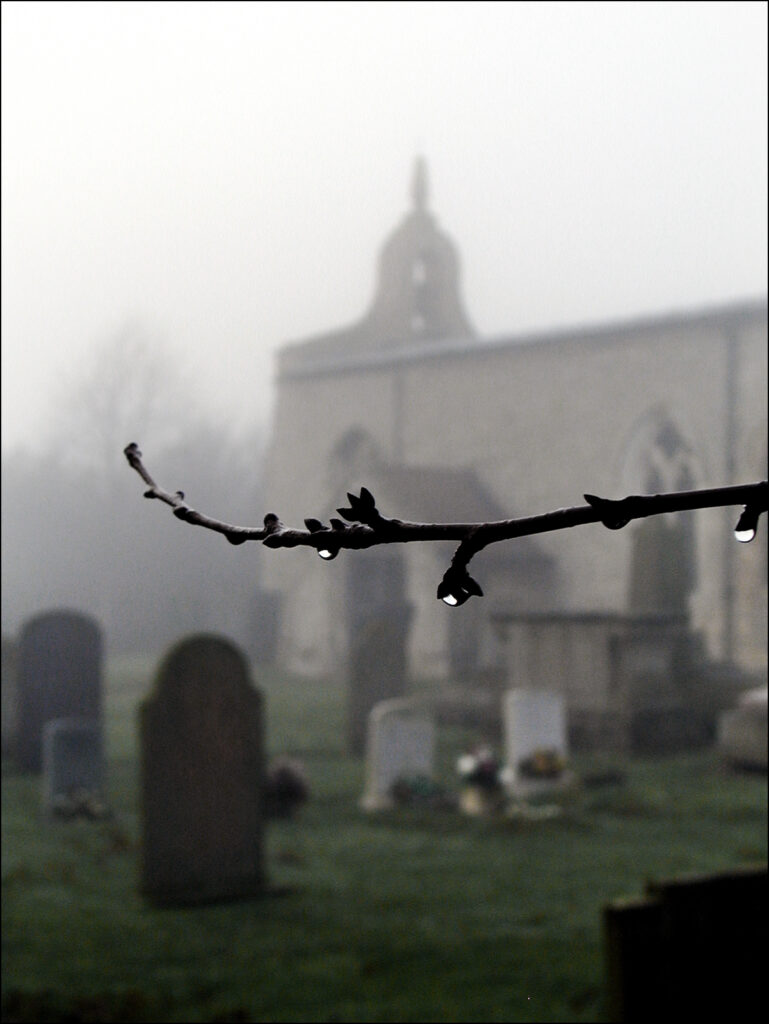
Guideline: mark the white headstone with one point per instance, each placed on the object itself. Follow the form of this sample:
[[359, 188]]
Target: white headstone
[[742, 732], [400, 743], [535, 723]]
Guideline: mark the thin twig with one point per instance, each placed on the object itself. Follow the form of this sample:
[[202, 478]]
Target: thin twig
[[366, 527]]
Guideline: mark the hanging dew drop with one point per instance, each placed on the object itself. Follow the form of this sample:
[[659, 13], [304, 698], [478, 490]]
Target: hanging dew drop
[[326, 554], [747, 524], [450, 600], [745, 536]]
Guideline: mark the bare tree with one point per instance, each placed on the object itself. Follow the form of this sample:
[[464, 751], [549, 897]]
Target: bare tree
[[130, 379], [68, 534]]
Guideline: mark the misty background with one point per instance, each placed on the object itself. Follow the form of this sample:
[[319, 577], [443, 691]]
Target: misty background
[[188, 186]]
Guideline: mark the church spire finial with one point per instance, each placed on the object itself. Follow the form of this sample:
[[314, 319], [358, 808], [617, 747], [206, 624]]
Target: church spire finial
[[419, 184]]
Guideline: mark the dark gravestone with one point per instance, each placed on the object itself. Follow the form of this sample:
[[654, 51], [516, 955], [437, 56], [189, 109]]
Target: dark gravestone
[[60, 676], [694, 946], [378, 620], [202, 777], [377, 668], [10, 695], [73, 768]]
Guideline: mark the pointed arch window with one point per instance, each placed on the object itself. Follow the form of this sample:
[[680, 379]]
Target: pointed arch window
[[663, 560]]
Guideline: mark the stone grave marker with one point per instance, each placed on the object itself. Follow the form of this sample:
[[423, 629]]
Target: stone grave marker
[[693, 944], [73, 768], [400, 744], [60, 676], [377, 668], [9, 688], [535, 741], [742, 731], [202, 777]]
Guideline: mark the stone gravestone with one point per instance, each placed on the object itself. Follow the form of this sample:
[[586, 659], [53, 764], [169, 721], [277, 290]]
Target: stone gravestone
[[694, 944], [378, 621], [377, 669], [535, 741], [73, 768], [9, 689], [742, 731], [60, 676], [202, 777], [400, 744]]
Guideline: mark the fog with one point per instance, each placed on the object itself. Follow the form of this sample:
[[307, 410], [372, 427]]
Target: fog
[[224, 174], [189, 186]]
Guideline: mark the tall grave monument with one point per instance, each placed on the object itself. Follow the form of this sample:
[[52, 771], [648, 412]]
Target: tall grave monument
[[59, 676], [202, 778]]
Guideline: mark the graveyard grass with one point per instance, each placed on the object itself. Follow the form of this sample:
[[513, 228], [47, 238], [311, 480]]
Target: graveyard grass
[[409, 915]]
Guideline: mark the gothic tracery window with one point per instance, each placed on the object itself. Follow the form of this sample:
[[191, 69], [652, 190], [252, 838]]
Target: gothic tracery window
[[663, 561]]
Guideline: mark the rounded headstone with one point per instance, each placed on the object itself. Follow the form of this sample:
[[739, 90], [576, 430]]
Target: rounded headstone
[[59, 676], [202, 777]]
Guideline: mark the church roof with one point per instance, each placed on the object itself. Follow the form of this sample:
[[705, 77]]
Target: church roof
[[726, 318], [417, 312]]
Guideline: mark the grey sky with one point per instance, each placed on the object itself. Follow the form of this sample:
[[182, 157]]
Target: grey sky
[[224, 173]]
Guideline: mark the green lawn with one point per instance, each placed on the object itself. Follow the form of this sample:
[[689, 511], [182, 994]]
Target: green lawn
[[402, 916]]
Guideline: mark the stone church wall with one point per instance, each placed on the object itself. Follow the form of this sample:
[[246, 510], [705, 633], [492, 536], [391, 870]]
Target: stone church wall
[[541, 422], [660, 403]]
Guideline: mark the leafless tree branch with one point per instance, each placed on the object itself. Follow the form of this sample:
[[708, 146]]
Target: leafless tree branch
[[365, 526]]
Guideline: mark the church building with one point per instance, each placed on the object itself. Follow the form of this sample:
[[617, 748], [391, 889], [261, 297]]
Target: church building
[[444, 426]]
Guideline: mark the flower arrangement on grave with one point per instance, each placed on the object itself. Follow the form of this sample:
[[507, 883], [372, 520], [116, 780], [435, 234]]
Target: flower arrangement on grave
[[545, 763], [482, 782], [480, 768]]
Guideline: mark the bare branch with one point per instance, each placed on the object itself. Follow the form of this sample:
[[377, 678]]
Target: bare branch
[[234, 534], [367, 527]]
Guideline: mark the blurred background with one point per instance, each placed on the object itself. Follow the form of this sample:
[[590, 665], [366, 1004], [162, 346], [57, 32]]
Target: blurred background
[[480, 258], [187, 187]]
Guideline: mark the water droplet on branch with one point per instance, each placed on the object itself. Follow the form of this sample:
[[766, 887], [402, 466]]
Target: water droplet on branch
[[745, 536]]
